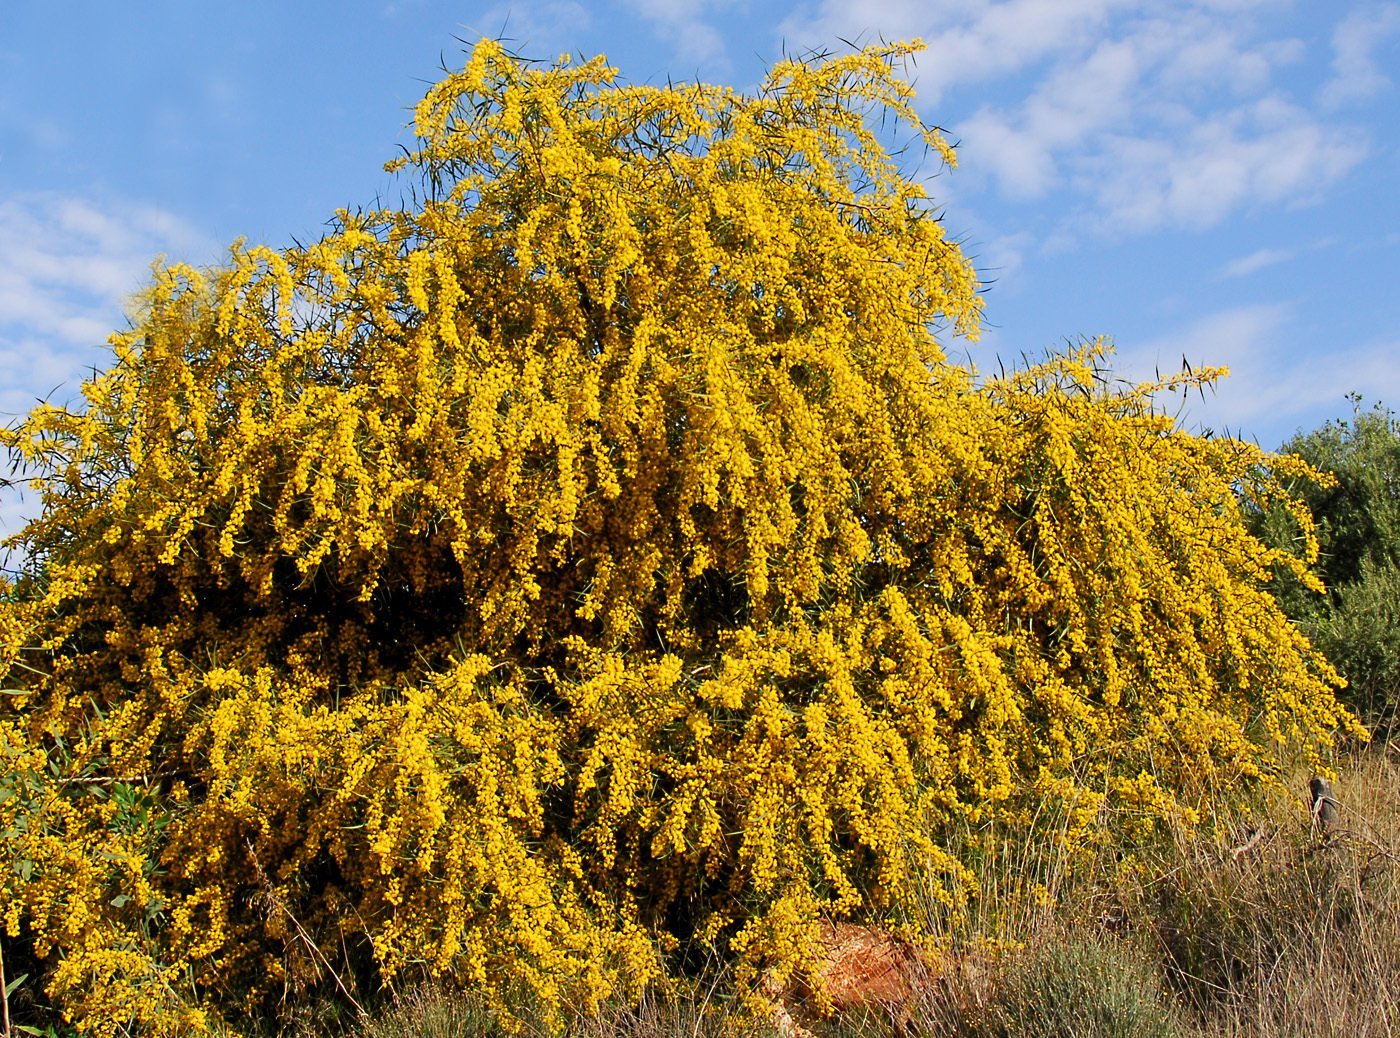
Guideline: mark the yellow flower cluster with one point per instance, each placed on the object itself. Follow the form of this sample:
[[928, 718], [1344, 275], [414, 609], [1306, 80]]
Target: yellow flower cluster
[[600, 556]]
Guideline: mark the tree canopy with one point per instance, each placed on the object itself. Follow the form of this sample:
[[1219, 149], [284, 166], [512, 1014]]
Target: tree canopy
[[1354, 616], [598, 556]]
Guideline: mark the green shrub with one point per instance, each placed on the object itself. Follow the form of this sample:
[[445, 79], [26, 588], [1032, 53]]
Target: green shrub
[[1080, 987], [1357, 515], [1360, 633]]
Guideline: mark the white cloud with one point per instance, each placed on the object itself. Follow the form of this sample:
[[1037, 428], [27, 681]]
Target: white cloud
[[1268, 152], [1255, 261], [1276, 383], [984, 41], [862, 22], [67, 265], [548, 26], [1142, 114], [1022, 164], [1217, 59], [1130, 128], [1071, 105], [1244, 339], [1000, 259], [682, 23], [1356, 74]]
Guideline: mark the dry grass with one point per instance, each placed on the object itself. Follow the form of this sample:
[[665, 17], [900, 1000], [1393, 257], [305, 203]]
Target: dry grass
[[1268, 929], [1264, 930], [1302, 936], [429, 1012]]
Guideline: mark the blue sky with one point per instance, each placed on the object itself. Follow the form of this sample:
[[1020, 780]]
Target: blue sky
[[1217, 180]]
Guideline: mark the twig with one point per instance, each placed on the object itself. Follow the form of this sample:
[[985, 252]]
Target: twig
[[1254, 841], [311, 946]]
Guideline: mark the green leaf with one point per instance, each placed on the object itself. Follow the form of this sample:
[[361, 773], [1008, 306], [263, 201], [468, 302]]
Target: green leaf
[[12, 985]]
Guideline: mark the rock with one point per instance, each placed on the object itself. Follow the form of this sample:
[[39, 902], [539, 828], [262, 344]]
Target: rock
[[859, 967]]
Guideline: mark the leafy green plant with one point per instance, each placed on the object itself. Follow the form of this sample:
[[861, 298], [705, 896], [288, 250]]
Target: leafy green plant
[[1359, 632], [1355, 620]]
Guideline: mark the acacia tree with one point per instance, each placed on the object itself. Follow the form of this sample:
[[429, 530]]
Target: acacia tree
[[596, 555]]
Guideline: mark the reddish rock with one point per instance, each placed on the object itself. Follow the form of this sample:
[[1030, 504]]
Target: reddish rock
[[859, 967]]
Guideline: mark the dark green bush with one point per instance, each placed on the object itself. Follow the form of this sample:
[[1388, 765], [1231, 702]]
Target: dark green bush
[[1358, 532]]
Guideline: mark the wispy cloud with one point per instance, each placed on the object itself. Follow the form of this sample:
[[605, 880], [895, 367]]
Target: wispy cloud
[[548, 26], [1255, 261], [683, 24], [1274, 386], [555, 26], [1137, 129], [67, 265], [1140, 115], [1022, 148], [999, 259], [1267, 152], [981, 41], [1356, 73], [1245, 339]]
